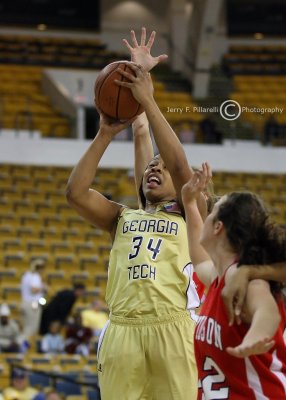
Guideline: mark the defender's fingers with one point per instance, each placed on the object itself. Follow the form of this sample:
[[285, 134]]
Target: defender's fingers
[[151, 40], [162, 58], [125, 41], [209, 170], [133, 39], [143, 36]]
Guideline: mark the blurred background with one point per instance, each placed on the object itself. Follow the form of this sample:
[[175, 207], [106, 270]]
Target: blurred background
[[51, 52]]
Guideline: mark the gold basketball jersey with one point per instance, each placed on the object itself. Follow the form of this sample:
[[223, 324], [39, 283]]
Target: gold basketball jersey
[[150, 273]]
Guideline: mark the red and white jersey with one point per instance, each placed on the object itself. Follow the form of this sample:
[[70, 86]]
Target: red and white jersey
[[222, 376]]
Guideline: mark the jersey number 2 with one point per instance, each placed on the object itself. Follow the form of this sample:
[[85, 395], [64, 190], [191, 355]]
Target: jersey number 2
[[209, 393]]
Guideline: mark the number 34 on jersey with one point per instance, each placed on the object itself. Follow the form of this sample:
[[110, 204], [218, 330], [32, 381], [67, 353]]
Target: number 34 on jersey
[[143, 271]]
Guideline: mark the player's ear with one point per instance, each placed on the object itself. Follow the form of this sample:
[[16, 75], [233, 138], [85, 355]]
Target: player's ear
[[218, 227]]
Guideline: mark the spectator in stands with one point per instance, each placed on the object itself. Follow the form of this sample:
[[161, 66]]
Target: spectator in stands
[[95, 317], [33, 290], [49, 394], [60, 306], [9, 332], [186, 133], [54, 395], [271, 130], [78, 337], [20, 388], [53, 342]]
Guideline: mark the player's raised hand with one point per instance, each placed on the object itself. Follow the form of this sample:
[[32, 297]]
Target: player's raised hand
[[141, 83], [141, 53], [111, 126], [260, 346], [197, 183]]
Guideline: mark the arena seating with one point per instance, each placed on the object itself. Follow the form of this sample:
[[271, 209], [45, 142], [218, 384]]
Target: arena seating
[[258, 74], [60, 370], [271, 188], [54, 51], [23, 104], [36, 221], [261, 91], [255, 59]]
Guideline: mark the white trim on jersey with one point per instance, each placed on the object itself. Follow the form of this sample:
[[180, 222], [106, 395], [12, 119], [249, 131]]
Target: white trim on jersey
[[193, 300], [101, 336], [253, 381], [276, 367]]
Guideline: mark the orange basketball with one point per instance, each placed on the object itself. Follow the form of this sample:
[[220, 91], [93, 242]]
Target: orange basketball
[[113, 100]]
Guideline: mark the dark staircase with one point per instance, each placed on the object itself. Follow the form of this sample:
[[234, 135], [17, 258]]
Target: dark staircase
[[220, 87], [174, 81]]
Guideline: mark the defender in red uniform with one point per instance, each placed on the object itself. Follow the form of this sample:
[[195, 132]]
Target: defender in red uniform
[[247, 360]]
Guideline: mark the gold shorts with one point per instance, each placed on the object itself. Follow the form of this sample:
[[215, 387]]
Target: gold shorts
[[148, 358]]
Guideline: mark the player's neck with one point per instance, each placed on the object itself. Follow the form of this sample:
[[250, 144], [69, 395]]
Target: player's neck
[[152, 207], [224, 261]]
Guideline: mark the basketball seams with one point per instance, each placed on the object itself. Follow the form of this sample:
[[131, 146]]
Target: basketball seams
[[97, 94], [116, 101], [119, 91]]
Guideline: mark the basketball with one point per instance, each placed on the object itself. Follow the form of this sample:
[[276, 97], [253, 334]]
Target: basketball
[[113, 100]]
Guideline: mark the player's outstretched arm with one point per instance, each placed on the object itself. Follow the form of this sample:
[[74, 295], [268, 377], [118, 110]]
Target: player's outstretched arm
[[143, 149], [141, 52], [170, 148], [89, 203], [235, 290], [262, 312], [191, 190]]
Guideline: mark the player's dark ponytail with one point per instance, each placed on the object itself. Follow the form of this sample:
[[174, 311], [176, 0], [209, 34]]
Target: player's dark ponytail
[[251, 233]]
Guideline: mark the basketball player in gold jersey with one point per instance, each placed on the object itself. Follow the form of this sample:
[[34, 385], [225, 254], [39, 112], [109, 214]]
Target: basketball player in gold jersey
[[146, 350]]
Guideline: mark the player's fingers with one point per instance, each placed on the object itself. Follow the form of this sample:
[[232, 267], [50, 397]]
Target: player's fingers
[[129, 122], [239, 300], [235, 352], [131, 77], [125, 84], [201, 178], [137, 68], [143, 36], [151, 40], [270, 344], [126, 124], [205, 172], [133, 39], [161, 58], [125, 41], [208, 170]]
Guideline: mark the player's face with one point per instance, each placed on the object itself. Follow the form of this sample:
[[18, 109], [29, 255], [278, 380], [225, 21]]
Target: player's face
[[209, 229], [157, 182]]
